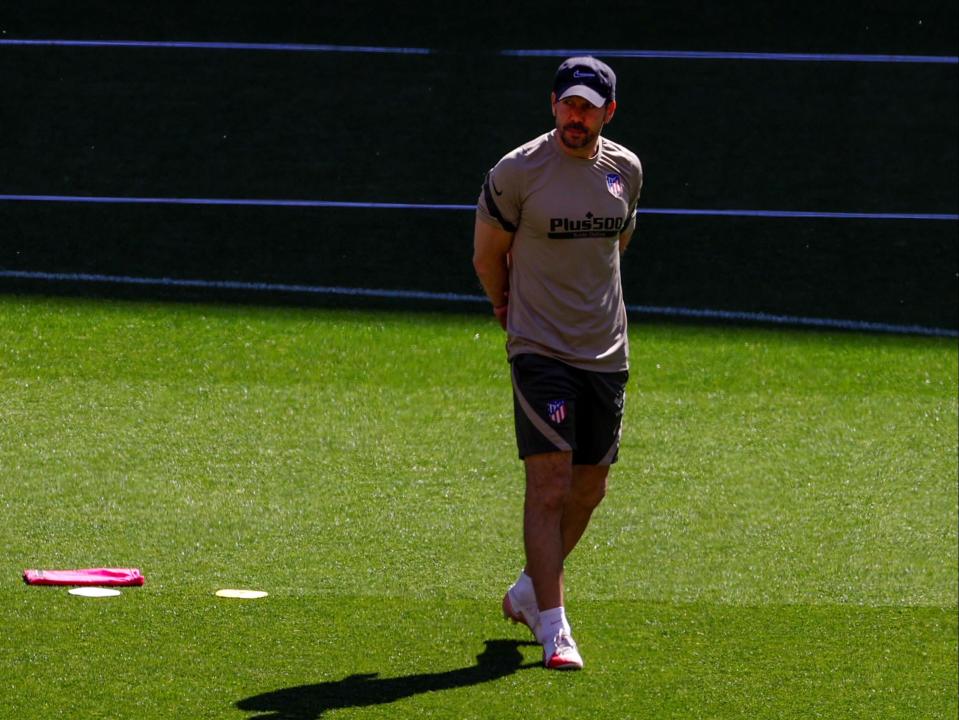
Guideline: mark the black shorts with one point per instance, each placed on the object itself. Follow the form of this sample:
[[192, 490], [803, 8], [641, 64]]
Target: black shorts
[[558, 407]]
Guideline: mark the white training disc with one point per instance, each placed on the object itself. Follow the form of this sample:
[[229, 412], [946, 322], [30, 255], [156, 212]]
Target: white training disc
[[241, 594], [93, 592]]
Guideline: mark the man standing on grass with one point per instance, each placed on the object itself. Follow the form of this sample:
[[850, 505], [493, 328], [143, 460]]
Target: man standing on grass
[[552, 220]]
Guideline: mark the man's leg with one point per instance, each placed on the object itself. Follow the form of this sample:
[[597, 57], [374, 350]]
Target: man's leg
[[549, 480], [587, 488], [587, 491]]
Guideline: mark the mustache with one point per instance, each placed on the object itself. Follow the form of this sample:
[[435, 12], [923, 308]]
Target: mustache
[[575, 126]]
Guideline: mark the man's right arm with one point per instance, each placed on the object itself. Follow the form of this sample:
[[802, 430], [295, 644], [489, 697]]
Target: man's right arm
[[491, 246]]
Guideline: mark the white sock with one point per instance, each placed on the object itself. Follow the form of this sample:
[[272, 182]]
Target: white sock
[[551, 622], [524, 593]]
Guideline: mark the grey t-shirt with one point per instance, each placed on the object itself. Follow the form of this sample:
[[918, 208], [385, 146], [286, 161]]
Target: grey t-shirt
[[566, 213]]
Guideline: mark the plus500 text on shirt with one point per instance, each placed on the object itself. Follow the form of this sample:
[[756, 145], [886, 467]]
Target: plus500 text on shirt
[[566, 213]]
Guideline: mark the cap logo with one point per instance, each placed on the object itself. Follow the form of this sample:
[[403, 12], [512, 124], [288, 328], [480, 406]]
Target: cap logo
[[581, 74]]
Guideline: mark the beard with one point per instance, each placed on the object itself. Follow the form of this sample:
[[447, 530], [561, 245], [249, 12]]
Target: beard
[[576, 140]]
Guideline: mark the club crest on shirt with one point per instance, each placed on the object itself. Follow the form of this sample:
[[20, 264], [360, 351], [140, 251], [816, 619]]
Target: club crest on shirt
[[614, 183], [556, 409]]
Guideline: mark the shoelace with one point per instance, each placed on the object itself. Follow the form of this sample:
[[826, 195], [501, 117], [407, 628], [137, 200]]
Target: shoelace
[[562, 642]]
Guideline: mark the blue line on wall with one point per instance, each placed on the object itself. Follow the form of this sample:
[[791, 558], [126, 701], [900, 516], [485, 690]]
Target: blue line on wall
[[267, 202], [547, 52], [765, 56], [186, 45], [669, 312]]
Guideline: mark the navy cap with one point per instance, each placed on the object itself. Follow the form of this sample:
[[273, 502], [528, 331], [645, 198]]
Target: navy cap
[[587, 77]]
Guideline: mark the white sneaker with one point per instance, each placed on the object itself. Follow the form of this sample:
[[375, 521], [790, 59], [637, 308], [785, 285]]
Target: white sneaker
[[514, 610], [561, 653]]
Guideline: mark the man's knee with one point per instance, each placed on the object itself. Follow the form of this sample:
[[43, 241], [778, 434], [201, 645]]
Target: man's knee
[[589, 485], [549, 479]]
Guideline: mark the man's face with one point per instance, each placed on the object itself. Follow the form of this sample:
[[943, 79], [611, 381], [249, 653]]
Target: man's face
[[579, 122]]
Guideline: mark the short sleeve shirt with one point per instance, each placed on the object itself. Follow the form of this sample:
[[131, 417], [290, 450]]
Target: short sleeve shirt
[[566, 214]]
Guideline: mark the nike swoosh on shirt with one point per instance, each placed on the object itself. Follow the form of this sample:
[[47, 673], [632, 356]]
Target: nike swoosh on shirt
[[491, 182]]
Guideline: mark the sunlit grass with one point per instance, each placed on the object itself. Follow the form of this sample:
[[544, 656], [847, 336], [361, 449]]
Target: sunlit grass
[[780, 538]]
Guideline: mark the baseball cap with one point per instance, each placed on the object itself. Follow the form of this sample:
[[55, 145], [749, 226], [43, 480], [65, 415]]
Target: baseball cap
[[587, 77]]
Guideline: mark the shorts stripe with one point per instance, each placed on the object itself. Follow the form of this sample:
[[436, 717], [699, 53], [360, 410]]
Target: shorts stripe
[[608, 458], [538, 422]]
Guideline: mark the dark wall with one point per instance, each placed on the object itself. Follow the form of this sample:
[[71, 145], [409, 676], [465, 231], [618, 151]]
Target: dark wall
[[808, 136]]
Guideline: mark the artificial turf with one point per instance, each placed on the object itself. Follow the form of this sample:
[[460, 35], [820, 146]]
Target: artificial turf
[[780, 537]]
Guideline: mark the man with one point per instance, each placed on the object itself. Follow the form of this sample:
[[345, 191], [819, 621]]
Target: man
[[552, 220]]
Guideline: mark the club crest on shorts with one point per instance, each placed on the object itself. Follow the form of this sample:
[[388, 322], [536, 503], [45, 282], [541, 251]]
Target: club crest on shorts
[[614, 183], [556, 409]]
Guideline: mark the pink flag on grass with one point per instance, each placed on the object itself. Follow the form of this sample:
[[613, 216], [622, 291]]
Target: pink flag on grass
[[85, 576]]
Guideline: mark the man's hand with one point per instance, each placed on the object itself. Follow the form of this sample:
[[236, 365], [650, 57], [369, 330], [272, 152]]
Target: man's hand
[[501, 312]]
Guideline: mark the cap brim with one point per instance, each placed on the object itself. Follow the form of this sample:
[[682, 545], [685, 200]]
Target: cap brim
[[586, 92]]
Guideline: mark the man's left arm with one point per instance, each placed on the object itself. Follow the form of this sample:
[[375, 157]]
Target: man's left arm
[[625, 237], [627, 234]]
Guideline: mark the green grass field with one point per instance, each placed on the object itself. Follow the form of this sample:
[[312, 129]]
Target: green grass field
[[779, 541]]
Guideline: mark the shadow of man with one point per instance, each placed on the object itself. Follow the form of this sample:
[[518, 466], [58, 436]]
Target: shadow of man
[[308, 702]]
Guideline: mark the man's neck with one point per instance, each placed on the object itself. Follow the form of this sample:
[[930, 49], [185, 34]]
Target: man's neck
[[587, 152]]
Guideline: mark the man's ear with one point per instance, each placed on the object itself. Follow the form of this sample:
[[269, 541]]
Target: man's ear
[[610, 111]]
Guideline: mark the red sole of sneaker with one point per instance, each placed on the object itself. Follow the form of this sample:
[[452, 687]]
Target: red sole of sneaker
[[565, 666]]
